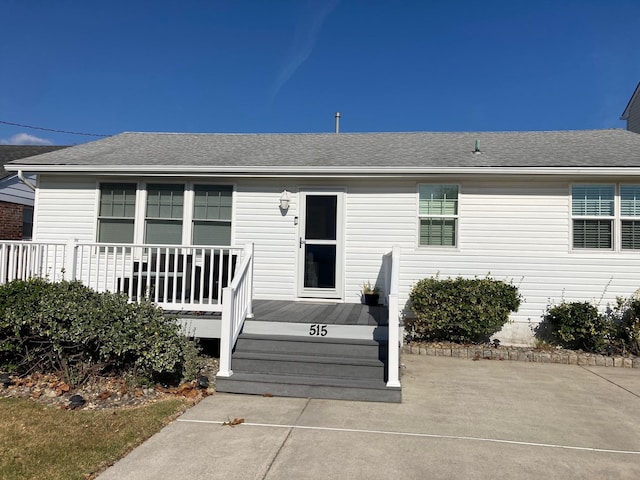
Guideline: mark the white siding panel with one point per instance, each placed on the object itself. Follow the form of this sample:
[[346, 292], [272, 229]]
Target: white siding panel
[[65, 208], [495, 218], [258, 219], [378, 216]]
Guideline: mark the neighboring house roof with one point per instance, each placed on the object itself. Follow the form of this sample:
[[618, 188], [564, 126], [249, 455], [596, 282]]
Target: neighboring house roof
[[634, 98], [588, 151], [9, 153]]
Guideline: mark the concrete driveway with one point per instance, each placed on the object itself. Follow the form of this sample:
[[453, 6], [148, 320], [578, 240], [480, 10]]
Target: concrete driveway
[[459, 418]]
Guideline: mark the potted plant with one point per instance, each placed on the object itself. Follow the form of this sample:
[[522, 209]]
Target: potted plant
[[371, 294]]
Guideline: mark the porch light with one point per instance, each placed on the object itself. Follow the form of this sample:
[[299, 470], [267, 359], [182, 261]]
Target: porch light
[[285, 199]]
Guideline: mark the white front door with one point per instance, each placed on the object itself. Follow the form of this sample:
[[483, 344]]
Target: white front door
[[320, 273]]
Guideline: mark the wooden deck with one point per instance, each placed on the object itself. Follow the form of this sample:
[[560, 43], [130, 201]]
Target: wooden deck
[[320, 313]]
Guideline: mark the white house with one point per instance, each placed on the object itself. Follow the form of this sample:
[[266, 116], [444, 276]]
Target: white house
[[557, 213]]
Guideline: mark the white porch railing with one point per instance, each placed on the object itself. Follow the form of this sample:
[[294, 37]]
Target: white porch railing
[[392, 281], [174, 277], [238, 304], [185, 278], [23, 260]]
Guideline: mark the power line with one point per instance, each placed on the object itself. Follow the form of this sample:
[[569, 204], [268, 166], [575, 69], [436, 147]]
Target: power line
[[53, 130]]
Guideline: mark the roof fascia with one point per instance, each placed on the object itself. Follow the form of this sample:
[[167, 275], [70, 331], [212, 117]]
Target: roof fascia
[[318, 172]]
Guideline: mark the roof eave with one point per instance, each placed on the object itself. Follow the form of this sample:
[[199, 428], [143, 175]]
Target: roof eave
[[318, 172]]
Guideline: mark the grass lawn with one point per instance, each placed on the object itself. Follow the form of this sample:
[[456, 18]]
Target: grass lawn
[[48, 443]]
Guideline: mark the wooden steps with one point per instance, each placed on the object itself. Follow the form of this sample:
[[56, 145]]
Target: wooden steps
[[318, 367]]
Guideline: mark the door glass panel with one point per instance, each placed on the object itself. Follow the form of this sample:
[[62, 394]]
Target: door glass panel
[[320, 266], [321, 214]]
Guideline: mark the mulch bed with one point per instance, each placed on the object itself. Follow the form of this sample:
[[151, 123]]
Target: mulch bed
[[103, 392]]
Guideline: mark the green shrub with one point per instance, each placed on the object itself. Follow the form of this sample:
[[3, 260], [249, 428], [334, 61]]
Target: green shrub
[[626, 320], [70, 328], [460, 310], [577, 326]]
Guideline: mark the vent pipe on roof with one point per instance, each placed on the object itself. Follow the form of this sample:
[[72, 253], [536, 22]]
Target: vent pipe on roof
[[477, 149], [337, 122]]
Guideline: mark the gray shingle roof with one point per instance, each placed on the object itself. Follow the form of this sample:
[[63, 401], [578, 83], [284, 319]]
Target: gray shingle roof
[[404, 151], [9, 153]]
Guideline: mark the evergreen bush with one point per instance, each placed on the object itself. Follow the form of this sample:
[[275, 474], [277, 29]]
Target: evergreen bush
[[69, 328], [460, 310], [576, 326]]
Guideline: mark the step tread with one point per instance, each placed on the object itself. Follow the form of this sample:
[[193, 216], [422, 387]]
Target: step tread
[[301, 357], [301, 339], [309, 380]]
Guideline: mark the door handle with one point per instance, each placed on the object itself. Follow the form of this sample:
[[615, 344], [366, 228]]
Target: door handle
[[302, 242]]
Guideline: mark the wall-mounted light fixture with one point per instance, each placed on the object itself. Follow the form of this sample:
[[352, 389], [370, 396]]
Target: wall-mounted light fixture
[[285, 200]]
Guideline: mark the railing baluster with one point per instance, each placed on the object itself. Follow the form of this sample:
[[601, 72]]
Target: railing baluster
[[209, 260]]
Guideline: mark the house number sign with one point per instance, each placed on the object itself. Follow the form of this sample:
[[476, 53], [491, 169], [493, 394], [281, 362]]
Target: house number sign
[[317, 330]]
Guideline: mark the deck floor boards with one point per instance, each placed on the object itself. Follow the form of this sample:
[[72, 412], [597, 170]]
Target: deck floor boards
[[319, 312]]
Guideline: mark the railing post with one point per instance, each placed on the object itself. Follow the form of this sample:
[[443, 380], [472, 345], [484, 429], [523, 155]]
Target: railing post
[[70, 258], [393, 358], [249, 251], [3, 263], [226, 334]]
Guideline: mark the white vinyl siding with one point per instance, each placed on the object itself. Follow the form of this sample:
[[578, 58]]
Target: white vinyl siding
[[65, 208], [378, 215], [593, 213], [630, 217], [438, 215], [117, 212], [257, 218], [164, 212], [212, 209], [514, 228]]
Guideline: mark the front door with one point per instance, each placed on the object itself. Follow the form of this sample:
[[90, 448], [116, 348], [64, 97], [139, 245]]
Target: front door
[[320, 244]]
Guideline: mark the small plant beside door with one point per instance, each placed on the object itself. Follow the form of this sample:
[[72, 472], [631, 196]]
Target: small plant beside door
[[370, 293]]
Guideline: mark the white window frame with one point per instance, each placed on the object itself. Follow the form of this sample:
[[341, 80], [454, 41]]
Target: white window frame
[[455, 217], [98, 205], [623, 218], [193, 219], [616, 219], [141, 205], [181, 221]]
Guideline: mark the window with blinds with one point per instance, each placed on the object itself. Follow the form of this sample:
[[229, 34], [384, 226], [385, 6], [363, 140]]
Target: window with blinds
[[163, 218], [438, 215], [630, 217], [117, 212], [593, 213], [212, 214]]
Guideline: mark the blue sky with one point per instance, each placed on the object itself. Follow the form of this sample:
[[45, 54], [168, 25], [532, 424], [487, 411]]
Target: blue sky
[[287, 65]]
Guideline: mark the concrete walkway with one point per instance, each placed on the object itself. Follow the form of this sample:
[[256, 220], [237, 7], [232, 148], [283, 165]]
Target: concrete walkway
[[459, 419]]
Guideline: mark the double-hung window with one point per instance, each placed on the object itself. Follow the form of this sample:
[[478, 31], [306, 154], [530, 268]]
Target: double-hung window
[[212, 214], [117, 212], [438, 215], [163, 218], [606, 217], [593, 212], [630, 217]]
